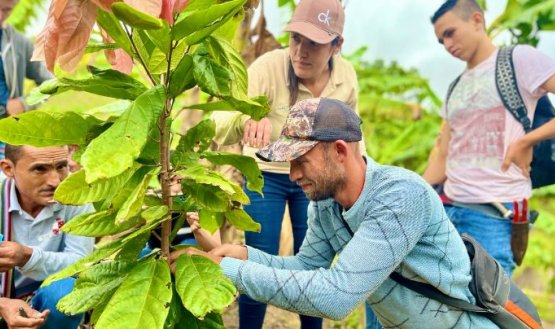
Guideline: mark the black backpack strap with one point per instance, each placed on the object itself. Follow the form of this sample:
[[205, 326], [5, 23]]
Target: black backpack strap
[[450, 90], [433, 293], [507, 87]]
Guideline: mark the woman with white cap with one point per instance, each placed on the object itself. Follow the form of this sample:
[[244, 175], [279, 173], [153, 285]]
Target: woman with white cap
[[310, 67]]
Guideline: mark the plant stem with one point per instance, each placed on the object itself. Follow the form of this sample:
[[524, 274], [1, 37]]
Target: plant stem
[[130, 36], [166, 174]]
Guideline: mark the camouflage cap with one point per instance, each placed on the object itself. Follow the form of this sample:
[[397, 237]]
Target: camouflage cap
[[311, 121]]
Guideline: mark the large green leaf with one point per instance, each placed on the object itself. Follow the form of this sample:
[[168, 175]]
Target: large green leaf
[[94, 287], [132, 206], [210, 321], [182, 77], [114, 151], [109, 23], [135, 18], [98, 224], [224, 54], [197, 25], [109, 112], [246, 165], [63, 128], [102, 252], [242, 220], [154, 213], [257, 107], [158, 62], [203, 175], [74, 190], [142, 300], [210, 221], [202, 286], [108, 82], [211, 77], [197, 139], [207, 196]]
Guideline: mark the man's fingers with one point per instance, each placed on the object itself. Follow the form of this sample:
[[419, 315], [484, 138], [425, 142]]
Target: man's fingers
[[505, 164]]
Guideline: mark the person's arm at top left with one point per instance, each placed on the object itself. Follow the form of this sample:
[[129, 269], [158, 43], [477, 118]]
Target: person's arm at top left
[[43, 263], [520, 152], [36, 71]]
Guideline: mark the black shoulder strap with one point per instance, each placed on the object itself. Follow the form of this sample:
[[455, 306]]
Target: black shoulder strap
[[507, 87], [450, 89], [433, 293]]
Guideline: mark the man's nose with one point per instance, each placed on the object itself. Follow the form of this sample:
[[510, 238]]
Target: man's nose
[[54, 178], [294, 173]]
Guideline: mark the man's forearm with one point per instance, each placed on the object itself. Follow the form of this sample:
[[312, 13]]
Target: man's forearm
[[547, 131]]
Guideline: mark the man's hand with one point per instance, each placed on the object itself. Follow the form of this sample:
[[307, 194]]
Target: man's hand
[[192, 251], [230, 250], [13, 254], [257, 133], [15, 319], [15, 106], [193, 220], [520, 153]]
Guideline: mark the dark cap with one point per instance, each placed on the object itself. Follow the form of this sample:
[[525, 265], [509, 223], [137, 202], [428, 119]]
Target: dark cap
[[311, 121], [319, 20]]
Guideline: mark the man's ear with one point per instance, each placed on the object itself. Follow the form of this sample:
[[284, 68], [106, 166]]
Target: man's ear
[[478, 20], [341, 149], [7, 167]]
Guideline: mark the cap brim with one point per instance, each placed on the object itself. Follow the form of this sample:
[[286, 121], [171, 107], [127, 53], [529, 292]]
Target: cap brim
[[285, 149], [309, 30]]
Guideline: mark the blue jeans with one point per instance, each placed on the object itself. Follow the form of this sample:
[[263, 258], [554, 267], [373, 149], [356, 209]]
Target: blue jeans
[[46, 298], [493, 233], [371, 318], [268, 211]]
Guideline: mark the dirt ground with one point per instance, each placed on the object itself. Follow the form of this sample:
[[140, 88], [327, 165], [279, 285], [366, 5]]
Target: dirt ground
[[280, 319]]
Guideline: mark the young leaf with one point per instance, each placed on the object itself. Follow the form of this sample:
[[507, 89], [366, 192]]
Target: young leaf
[[202, 286], [198, 24], [109, 83], [211, 77], [109, 23], [132, 206], [98, 224], [114, 151], [257, 107], [203, 175], [135, 18], [245, 164], [182, 77], [94, 287], [161, 37], [241, 220], [224, 54], [198, 138], [142, 300], [74, 190], [63, 128]]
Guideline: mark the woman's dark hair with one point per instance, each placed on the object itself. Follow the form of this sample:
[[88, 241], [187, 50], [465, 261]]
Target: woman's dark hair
[[294, 80]]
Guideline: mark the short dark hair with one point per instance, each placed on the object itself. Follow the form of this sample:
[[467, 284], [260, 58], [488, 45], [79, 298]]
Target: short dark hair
[[462, 8], [13, 152]]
